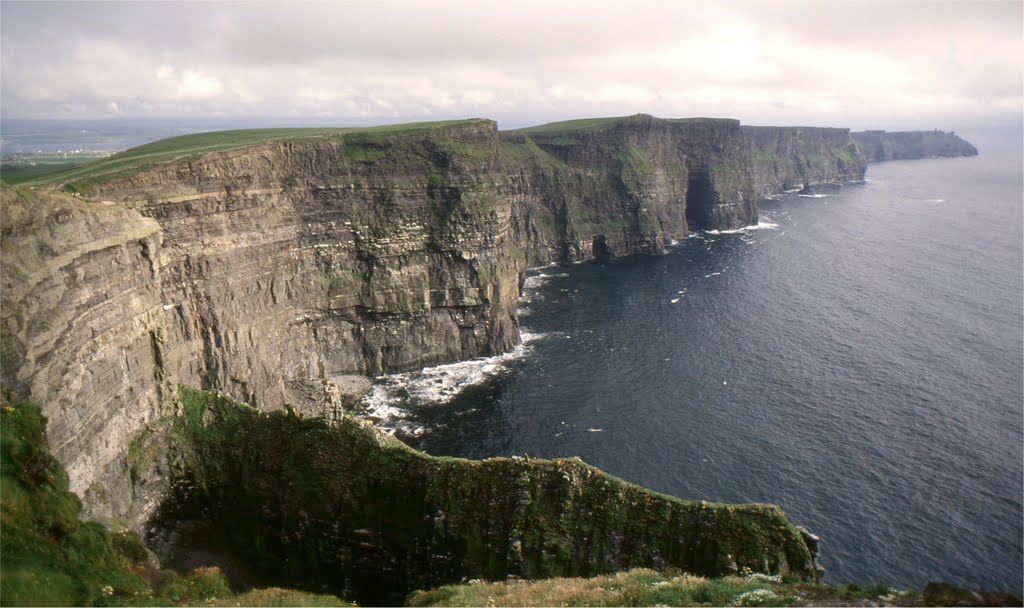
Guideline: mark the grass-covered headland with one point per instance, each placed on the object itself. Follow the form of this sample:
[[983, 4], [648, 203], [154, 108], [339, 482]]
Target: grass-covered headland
[[349, 509], [51, 558], [360, 514], [80, 178]]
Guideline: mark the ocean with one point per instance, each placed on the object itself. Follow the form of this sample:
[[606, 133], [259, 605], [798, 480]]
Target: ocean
[[857, 358]]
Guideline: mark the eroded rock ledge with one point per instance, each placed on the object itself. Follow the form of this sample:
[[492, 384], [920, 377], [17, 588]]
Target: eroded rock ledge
[[349, 510], [266, 269]]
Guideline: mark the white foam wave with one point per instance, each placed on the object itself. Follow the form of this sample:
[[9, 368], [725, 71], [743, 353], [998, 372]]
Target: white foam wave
[[536, 280], [762, 224], [389, 402], [531, 289], [934, 200], [812, 195]]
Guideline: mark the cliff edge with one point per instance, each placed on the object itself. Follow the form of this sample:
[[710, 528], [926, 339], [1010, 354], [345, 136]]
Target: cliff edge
[[877, 146], [265, 263]]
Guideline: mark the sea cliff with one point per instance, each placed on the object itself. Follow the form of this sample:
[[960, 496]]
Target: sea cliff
[[264, 265], [358, 513], [878, 146]]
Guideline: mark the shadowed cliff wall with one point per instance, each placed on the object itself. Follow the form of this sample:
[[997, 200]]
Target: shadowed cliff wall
[[783, 158], [264, 271], [359, 513], [904, 145]]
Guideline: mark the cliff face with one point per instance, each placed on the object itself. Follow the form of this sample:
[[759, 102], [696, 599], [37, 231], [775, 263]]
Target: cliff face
[[646, 181], [82, 331], [292, 262], [783, 158], [360, 514], [878, 146], [266, 270]]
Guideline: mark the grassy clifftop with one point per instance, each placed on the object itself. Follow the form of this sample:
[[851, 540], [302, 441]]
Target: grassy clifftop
[[190, 147]]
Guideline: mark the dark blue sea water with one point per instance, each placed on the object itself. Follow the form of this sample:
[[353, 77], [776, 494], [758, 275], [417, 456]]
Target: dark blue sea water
[[860, 363]]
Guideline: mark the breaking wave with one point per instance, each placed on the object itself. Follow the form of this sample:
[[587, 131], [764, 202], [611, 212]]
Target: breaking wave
[[393, 399], [762, 224]]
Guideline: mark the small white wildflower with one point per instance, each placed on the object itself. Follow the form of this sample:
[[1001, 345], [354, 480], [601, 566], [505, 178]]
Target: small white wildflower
[[107, 590], [754, 597], [760, 577]]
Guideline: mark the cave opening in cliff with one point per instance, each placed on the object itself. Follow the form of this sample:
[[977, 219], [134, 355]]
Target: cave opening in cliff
[[700, 201]]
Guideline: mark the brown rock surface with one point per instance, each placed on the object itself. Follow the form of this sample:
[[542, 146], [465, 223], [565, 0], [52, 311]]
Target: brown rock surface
[[266, 270]]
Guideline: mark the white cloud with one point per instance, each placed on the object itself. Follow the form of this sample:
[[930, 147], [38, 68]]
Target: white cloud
[[821, 63], [196, 84]]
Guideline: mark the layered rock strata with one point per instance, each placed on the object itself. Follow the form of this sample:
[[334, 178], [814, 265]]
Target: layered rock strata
[[878, 146], [266, 270], [83, 331], [787, 158]]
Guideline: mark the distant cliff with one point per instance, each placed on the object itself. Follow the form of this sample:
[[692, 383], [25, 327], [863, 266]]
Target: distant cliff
[[878, 146], [264, 264], [784, 158]]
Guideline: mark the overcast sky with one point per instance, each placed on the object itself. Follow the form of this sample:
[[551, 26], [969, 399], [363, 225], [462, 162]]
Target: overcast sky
[[889, 64]]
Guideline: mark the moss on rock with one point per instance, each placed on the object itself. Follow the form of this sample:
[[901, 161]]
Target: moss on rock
[[354, 511], [51, 558]]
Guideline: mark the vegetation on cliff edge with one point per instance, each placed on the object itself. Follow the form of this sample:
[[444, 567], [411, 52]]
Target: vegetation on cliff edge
[[190, 147], [51, 558]]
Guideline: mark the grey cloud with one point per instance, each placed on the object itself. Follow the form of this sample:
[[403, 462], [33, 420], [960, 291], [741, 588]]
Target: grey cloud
[[810, 61]]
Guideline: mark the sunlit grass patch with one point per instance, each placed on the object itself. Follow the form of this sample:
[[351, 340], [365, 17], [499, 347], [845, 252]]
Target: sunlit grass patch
[[640, 587]]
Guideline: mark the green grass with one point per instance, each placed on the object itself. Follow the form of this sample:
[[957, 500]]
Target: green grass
[[18, 173], [644, 587], [190, 147], [639, 587], [869, 590], [579, 124], [50, 557], [520, 151]]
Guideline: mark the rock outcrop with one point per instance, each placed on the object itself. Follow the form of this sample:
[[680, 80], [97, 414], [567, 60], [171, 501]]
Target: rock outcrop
[[787, 158], [265, 270], [878, 146], [645, 181], [83, 332], [358, 513]]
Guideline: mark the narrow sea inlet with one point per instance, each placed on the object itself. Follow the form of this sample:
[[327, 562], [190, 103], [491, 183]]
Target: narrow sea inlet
[[856, 359]]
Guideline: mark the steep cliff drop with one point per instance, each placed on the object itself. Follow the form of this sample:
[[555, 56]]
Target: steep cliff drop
[[348, 509], [262, 264], [785, 158], [905, 145]]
